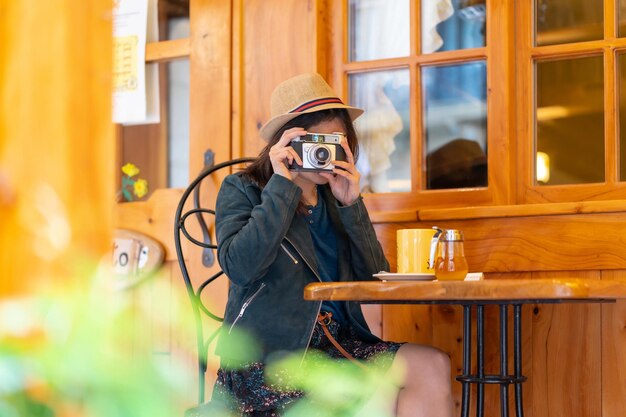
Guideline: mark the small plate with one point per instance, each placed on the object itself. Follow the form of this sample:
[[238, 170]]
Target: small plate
[[390, 276]]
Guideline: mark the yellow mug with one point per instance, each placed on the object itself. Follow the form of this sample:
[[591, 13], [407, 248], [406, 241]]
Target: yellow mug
[[416, 250]]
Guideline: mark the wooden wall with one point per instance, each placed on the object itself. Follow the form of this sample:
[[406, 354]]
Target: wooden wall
[[573, 354], [239, 51], [277, 41]]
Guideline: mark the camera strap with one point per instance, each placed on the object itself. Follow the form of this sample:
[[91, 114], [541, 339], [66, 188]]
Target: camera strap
[[324, 321]]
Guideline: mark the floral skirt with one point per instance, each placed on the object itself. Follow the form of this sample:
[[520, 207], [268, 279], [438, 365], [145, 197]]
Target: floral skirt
[[250, 393]]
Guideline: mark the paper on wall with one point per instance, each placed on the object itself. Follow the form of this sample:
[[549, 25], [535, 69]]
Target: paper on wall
[[135, 84]]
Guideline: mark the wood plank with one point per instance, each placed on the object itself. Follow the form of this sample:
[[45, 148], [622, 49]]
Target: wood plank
[[238, 81], [611, 119], [279, 42], [154, 218], [417, 99], [561, 286], [501, 100], [541, 243], [392, 216], [612, 18], [440, 58], [419, 201], [566, 375], [613, 348], [210, 82], [170, 50], [577, 49], [522, 210], [524, 106]]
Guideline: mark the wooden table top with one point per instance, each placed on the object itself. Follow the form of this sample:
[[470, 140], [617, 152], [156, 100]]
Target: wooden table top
[[485, 290]]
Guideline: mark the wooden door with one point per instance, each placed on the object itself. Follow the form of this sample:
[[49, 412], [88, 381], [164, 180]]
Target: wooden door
[[238, 51]]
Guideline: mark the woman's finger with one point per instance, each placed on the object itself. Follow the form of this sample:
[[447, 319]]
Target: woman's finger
[[329, 176], [295, 155], [346, 148], [343, 173], [345, 166], [289, 135]]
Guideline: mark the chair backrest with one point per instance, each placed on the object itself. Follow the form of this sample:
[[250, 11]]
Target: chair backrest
[[194, 291]]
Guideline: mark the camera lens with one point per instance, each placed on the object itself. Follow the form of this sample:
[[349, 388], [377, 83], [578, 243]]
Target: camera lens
[[318, 156], [322, 155]]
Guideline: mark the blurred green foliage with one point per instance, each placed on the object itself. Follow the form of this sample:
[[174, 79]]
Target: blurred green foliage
[[88, 351], [336, 388]]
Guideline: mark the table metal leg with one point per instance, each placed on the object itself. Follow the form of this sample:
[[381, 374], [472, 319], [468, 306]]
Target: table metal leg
[[517, 358], [480, 378], [480, 360], [504, 366], [467, 359]]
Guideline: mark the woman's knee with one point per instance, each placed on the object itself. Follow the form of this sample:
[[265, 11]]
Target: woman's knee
[[440, 360], [425, 360]]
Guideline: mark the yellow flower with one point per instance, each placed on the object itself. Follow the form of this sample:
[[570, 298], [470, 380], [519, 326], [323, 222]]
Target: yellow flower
[[140, 188], [130, 170]]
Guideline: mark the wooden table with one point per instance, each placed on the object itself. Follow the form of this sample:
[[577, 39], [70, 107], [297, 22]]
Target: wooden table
[[477, 294]]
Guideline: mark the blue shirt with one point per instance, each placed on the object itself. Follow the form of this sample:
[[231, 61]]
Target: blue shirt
[[325, 243]]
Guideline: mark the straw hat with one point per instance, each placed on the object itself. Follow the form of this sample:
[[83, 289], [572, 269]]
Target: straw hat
[[305, 93]]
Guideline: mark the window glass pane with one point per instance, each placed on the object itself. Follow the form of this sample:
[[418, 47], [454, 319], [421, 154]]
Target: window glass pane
[[455, 125], [170, 12], [621, 15], [570, 120], [178, 125], [384, 130], [455, 24], [621, 60], [567, 21], [378, 29], [178, 114]]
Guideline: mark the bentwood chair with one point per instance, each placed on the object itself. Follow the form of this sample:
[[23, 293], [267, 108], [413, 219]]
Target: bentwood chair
[[184, 237]]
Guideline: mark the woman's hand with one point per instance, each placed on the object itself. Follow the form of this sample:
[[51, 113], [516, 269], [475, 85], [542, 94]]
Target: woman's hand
[[345, 179], [282, 154]]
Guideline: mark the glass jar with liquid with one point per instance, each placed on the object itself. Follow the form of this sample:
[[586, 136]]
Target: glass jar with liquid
[[450, 263]]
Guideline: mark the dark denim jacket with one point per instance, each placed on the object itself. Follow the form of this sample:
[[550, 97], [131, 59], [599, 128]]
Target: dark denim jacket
[[265, 249]]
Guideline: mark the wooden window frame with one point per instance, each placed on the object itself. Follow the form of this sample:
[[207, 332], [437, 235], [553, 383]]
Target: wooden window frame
[[496, 56], [608, 48], [166, 51], [510, 57]]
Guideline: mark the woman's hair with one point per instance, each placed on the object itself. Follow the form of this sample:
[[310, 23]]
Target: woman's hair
[[261, 169]]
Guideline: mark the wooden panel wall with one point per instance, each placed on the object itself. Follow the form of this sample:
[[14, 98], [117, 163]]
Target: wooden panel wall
[[278, 40], [239, 51], [533, 243], [614, 354], [573, 353]]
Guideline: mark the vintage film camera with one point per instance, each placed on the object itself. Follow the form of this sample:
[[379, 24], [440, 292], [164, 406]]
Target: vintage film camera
[[317, 150]]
